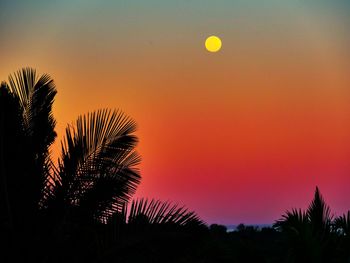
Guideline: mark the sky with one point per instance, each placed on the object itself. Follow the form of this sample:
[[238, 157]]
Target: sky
[[240, 135]]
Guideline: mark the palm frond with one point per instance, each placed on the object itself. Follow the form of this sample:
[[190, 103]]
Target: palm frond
[[319, 214], [158, 212], [293, 221], [98, 166], [36, 96]]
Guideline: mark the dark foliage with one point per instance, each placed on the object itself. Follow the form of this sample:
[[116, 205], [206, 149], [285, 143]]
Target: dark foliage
[[311, 235], [81, 210], [75, 211]]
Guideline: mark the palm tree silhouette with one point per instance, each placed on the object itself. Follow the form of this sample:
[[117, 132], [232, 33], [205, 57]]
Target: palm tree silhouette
[[309, 232], [27, 131], [97, 171], [65, 205]]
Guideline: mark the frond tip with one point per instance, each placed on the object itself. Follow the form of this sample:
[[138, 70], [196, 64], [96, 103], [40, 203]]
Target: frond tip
[[36, 95]]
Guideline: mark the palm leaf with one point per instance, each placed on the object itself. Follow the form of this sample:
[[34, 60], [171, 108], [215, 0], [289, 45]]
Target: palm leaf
[[158, 212], [319, 214], [98, 167], [36, 96], [293, 221]]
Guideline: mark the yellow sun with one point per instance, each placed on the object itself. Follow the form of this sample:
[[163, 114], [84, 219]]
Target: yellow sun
[[213, 44]]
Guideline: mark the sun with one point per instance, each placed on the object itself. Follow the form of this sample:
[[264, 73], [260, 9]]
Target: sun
[[213, 44]]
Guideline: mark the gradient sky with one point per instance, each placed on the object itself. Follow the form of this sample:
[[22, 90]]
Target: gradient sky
[[238, 136]]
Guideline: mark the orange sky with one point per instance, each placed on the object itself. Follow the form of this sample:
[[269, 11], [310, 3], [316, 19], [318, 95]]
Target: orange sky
[[240, 135]]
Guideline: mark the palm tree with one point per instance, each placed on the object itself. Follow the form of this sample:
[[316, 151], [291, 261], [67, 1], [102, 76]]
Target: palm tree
[[96, 175], [97, 172], [309, 232], [27, 131], [91, 185]]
